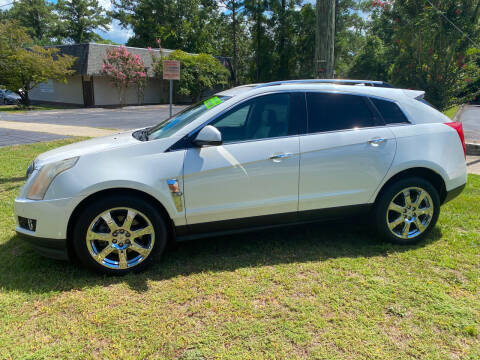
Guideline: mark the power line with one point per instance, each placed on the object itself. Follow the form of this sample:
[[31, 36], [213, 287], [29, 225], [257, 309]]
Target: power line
[[6, 4], [451, 23]]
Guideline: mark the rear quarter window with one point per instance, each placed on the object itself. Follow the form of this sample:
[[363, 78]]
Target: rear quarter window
[[390, 111], [333, 112]]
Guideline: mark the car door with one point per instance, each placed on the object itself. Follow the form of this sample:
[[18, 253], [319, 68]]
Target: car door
[[345, 154], [254, 173]]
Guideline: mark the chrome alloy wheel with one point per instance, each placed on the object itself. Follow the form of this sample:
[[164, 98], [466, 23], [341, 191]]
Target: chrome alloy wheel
[[410, 212], [120, 238]]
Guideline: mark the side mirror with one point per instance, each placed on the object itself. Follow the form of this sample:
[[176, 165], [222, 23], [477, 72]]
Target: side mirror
[[209, 135]]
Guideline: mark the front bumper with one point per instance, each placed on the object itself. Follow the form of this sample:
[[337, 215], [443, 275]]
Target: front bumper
[[51, 248], [52, 217]]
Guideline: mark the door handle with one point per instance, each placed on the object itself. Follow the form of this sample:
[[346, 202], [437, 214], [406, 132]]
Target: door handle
[[376, 141], [278, 157]]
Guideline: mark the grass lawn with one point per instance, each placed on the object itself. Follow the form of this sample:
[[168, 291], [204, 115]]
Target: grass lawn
[[328, 291], [452, 111]]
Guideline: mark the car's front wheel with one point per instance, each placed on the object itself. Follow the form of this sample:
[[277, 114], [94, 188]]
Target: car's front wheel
[[117, 235], [407, 210]]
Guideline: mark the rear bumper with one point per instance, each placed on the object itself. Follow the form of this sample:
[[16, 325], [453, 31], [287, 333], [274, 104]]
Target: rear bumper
[[452, 194], [52, 248]]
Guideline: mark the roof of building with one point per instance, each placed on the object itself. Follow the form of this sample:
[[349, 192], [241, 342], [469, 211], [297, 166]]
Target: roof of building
[[90, 57]]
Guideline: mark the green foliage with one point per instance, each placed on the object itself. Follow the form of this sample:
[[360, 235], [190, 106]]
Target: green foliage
[[419, 48], [37, 16], [79, 18], [199, 73], [24, 68], [371, 62]]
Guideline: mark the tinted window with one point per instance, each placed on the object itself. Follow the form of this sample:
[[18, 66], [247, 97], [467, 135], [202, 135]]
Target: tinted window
[[264, 117], [330, 112], [390, 111]]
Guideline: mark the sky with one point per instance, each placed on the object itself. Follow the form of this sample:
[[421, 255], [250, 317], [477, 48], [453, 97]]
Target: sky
[[116, 33]]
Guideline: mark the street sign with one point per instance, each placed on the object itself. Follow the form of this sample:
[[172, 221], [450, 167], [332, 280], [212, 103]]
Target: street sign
[[171, 70]]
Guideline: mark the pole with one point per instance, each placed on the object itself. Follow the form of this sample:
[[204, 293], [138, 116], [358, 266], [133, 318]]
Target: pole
[[325, 39], [171, 86]]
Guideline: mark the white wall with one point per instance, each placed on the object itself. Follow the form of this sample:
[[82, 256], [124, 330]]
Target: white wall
[[106, 94], [54, 91]]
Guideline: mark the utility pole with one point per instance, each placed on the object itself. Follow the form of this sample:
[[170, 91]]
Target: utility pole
[[325, 39]]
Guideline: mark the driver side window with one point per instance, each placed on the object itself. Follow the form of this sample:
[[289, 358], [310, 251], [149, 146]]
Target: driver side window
[[261, 118]]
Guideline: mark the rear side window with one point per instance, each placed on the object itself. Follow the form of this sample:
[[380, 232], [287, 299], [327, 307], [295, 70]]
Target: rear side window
[[331, 112], [390, 111]]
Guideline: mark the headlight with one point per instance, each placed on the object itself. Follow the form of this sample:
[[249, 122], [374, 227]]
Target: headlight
[[45, 176]]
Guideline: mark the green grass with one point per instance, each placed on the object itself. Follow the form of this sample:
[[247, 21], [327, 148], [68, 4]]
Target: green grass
[[328, 291], [452, 111]]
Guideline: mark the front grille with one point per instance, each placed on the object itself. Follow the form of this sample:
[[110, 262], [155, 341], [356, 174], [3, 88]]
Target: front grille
[[27, 224]]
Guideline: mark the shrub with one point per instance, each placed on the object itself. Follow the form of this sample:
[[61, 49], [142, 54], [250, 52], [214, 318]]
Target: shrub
[[198, 73]]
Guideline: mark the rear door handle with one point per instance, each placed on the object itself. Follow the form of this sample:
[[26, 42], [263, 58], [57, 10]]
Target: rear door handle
[[278, 157], [376, 141]]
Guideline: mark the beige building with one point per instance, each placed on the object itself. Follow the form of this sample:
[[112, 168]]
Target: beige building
[[88, 87]]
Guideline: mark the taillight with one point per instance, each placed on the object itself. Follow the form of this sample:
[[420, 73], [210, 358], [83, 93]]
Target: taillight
[[458, 126]]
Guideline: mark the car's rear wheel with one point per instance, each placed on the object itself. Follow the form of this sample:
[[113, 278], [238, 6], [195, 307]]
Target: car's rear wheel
[[407, 210], [117, 235]]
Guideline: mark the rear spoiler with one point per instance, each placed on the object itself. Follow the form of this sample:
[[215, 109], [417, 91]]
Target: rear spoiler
[[415, 94]]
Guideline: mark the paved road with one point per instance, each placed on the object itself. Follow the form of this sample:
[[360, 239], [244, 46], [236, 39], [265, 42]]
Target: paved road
[[470, 117], [122, 119], [125, 119], [16, 137]]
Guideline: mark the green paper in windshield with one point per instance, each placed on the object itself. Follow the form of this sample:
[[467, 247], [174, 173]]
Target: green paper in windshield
[[212, 102]]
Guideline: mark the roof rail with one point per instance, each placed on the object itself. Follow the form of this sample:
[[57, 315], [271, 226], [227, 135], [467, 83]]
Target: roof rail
[[329, 81]]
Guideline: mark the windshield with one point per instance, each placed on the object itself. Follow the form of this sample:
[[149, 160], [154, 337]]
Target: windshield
[[182, 119]]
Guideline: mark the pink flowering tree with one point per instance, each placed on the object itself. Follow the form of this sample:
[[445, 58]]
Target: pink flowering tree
[[125, 70]]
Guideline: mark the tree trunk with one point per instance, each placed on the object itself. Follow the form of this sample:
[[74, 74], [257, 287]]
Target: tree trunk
[[281, 44], [258, 39], [325, 39], [234, 23]]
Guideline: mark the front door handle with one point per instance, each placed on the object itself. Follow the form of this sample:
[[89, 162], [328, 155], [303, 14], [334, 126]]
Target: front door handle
[[279, 157], [376, 141]]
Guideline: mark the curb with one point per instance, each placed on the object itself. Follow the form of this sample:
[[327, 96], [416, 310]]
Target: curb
[[472, 149], [459, 112]]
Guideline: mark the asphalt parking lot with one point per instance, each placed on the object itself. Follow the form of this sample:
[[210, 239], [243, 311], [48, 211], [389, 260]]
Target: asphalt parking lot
[[119, 119]]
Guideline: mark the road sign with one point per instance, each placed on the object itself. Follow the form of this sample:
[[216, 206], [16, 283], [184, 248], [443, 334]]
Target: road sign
[[171, 70]]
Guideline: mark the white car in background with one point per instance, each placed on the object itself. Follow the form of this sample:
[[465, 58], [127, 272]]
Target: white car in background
[[249, 157]]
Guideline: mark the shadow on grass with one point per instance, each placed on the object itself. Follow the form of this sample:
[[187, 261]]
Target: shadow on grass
[[21, 269]]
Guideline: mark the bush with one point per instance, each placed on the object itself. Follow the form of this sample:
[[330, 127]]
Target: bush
[[198, 73]]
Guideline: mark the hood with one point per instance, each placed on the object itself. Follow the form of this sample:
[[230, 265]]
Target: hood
[[95, 145]]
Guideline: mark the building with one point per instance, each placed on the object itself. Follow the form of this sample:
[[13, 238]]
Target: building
[[88, 87]]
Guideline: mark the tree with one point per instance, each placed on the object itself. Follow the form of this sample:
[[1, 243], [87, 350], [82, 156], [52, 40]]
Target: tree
[[25, 67], [305, 55], [190, 25], [371, 62], [124, 70], [423, 48], [37, 16], [78, 19], [199, 73], [236, 10], [263, 46]]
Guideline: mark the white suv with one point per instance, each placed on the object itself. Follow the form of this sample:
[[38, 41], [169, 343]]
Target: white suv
[[249, 157]]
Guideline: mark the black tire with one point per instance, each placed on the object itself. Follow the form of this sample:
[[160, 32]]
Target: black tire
[[389, 194], [90, 213]]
